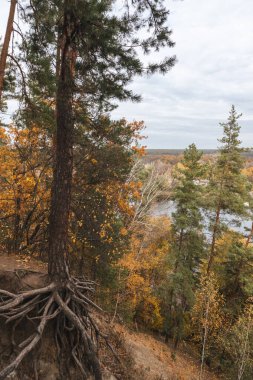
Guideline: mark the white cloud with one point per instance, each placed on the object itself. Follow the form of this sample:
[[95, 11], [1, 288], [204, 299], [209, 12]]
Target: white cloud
[[214, 70]]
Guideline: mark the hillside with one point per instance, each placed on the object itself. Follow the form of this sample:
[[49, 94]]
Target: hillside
[[156, 360], [141, 355]]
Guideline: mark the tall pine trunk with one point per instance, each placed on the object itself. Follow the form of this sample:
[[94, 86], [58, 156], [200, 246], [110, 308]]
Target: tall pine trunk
[[58, 268], [214, 237], [249, 238], [6, 44], [16, 230]]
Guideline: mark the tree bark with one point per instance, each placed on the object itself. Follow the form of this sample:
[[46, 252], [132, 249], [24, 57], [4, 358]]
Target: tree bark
[[215, 230], [6, 44], [16, 232], [58, 268], [249, 238]]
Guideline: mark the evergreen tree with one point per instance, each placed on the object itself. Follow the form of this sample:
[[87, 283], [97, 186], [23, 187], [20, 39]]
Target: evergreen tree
[[95, 51], [187, 239], [102, 58], [107, 43], [235, 271], [187, 196], [102, 198], [238, 274], [228, 188]]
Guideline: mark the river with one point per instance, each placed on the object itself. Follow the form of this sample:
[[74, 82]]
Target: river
[[241, 225]]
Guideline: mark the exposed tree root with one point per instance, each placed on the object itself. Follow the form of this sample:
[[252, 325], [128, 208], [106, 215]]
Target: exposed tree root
[[75, 330]]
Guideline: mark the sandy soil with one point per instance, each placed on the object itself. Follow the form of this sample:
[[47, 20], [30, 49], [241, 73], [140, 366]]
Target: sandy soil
[[154, 358], [12, 262]]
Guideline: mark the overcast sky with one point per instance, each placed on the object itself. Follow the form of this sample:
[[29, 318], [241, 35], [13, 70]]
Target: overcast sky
[[214, 70]]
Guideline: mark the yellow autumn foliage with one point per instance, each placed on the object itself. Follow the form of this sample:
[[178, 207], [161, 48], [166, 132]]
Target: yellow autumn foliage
[[145, 268], [25, 185]]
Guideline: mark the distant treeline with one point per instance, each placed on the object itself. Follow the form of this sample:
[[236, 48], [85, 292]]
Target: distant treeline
[[159, 152]]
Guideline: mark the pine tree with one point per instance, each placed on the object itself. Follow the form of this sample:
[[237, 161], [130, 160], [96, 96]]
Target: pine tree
[[187, 238], [107, 44], [95, 54], [187, 219], [102, 59], [235, 272], [228, 188]]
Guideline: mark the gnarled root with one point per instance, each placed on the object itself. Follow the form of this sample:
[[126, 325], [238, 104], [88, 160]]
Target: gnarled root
[[68, 306]]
